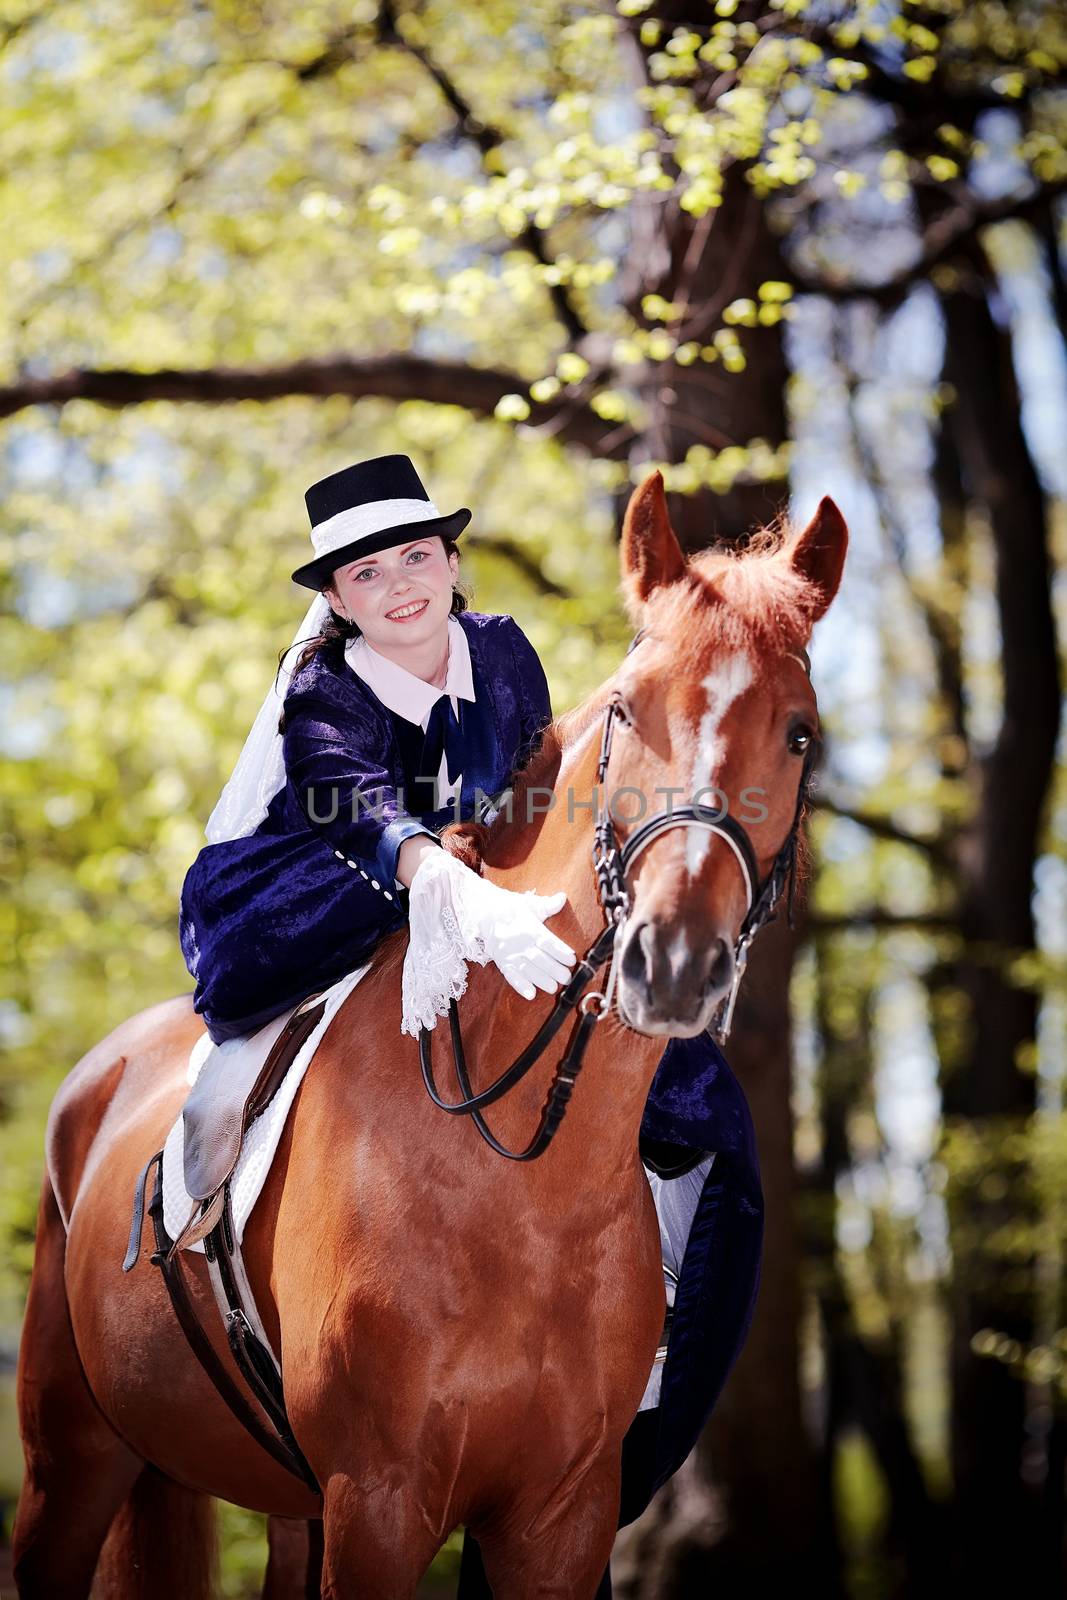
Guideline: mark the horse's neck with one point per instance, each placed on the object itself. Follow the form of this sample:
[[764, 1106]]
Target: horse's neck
[[549, 852]]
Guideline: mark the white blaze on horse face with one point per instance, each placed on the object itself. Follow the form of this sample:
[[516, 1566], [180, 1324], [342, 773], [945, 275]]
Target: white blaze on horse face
[[730, 679]]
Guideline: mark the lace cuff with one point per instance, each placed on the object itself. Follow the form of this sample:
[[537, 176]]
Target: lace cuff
[[443, 937]]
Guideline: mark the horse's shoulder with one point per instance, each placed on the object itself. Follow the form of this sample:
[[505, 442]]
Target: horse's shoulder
[[121, 1067]]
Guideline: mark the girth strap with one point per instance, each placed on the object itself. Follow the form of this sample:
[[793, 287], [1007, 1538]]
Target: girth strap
[[247, 1342], [254, 1362]]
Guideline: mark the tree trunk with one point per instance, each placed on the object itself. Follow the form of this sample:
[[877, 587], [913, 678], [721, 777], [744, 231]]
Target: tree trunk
[[702, 264], [756, 1460], [1003, 1530], [757, 1446], [864, 1379], [744, 1506]]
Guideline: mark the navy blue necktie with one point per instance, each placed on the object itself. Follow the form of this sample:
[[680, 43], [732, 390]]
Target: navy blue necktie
[[444, 736]]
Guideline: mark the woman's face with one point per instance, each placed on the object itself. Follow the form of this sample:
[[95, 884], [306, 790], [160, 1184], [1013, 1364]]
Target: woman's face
[[399, 596]]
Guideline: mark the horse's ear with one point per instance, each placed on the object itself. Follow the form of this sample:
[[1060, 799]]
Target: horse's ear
[[650, 554], [818, 554]]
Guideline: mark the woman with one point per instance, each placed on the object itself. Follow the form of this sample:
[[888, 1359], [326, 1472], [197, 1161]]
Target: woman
[[404, 713]]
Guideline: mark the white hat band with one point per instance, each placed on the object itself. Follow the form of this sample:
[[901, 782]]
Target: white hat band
[[359, 522]]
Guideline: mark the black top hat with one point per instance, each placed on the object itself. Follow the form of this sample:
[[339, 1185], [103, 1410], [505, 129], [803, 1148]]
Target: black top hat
[[369, 507]]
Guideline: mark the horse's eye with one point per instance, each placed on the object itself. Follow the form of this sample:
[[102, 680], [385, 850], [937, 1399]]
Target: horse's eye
[[800, 739], [622, 711]]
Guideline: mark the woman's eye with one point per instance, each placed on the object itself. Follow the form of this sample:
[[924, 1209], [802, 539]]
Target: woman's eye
[[800, 740], [420, 553]]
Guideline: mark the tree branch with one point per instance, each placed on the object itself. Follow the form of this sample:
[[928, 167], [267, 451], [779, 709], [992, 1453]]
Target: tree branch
[[517, 556], [10, 31], [877, 917], [925, 104], [942, 636], [392, 377], [1047, 229], [883, 827], [487, 140], [949, 233], [333, 55]]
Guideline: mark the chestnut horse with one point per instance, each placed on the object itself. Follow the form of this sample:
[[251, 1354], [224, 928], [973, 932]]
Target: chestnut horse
[[465, 1340]]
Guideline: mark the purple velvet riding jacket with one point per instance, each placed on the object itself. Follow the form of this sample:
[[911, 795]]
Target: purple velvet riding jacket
[[272, 917]]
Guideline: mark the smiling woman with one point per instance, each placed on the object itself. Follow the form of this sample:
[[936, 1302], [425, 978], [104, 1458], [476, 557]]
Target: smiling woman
[[405, 711]]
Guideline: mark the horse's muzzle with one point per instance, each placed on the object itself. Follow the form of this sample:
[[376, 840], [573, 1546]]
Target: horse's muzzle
[[671, 985]]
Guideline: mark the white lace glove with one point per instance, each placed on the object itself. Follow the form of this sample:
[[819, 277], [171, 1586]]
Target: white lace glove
[[455, 917]]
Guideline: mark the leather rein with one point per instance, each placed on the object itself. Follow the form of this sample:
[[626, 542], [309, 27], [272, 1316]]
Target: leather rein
[[611, 864]]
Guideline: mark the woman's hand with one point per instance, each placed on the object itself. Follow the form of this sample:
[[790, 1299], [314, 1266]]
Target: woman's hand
[[527, 953]]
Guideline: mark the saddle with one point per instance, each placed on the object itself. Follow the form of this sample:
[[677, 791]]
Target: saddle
[[227, 1097], [231, 1091]]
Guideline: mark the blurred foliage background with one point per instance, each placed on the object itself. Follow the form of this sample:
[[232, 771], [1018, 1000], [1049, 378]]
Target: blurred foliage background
[[779, 249]]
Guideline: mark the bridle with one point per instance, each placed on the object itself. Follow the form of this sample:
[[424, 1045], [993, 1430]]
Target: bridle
[[612, 862]]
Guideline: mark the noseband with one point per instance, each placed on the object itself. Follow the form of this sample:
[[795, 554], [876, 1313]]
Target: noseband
[[612, 863]]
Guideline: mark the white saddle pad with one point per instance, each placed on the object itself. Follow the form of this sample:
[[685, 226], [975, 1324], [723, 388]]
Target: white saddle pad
[[261, 1139]]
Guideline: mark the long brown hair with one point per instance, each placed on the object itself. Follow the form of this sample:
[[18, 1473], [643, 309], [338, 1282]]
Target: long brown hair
[[337, 631]]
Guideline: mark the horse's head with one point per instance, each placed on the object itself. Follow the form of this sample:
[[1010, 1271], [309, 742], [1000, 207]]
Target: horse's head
[[717, 712], [715, 726]]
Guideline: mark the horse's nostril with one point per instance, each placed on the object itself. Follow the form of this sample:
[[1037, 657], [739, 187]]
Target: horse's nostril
[[636, 958], [721, 966]]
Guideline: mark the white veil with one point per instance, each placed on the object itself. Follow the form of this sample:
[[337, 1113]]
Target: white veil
[[260, 769]]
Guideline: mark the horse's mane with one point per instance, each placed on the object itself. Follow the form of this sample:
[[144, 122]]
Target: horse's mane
[[749, 594]]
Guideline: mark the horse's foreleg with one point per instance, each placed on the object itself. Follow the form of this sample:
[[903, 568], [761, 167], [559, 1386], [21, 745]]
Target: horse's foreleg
[[294, 1564], [377, 1541], [474, 1585], [78, 1470], [562, 1553]]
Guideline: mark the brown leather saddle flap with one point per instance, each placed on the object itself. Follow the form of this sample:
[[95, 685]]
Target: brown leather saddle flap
[[231, 1091]]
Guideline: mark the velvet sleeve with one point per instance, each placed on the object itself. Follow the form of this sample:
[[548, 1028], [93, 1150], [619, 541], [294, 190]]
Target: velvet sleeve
[[535, 703], [336, 759]]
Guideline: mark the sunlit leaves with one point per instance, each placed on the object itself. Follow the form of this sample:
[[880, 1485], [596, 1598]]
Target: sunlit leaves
[[512, 408]]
